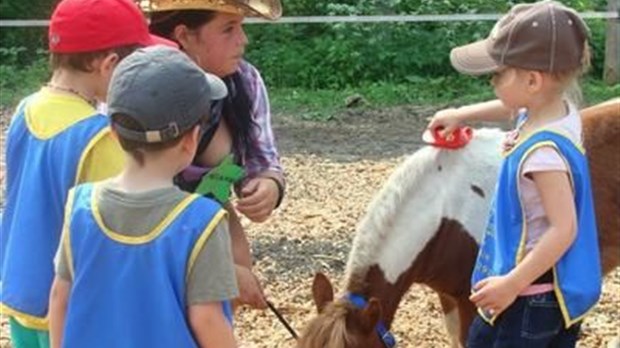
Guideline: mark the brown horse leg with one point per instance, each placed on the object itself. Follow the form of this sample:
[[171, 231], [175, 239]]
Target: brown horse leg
[[451, 318]]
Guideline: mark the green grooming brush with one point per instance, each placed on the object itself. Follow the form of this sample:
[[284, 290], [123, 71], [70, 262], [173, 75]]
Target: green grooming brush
[[218, 181]]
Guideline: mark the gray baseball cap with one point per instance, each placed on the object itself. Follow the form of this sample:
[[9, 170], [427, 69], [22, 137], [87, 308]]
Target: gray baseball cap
[[164, 91], [545, 36]]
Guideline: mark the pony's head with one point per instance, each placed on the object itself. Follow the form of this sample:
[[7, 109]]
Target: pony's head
[[339, 324]]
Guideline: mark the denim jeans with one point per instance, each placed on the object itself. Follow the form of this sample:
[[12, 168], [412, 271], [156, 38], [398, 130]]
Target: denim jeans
[[530, 322]]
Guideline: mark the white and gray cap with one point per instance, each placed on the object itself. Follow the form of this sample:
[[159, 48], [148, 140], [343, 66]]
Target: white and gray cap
[[163, 90]]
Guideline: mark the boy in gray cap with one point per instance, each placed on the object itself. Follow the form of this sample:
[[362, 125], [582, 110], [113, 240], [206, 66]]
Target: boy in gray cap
[[538, 271], [142, 263]]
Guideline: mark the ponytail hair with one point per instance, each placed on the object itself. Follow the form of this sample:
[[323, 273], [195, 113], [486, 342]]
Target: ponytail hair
[[570, 79], [238, 116]]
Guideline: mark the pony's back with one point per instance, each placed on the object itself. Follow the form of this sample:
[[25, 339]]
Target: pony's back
[[428, 186]]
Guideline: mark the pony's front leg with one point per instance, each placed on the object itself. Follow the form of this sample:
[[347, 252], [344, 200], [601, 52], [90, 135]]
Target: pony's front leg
[[451, 318], [467, 313]]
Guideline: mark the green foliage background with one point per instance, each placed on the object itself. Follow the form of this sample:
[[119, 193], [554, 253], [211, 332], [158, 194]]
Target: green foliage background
[[319, 56], [345, 54]]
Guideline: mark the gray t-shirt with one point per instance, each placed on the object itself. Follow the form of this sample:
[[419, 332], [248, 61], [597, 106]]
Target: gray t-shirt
[[134, 214]]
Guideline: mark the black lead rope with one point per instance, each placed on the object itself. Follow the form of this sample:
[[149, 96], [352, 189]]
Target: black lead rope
[[282, 320]]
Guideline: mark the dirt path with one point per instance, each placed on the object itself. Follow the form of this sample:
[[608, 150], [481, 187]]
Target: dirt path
[[334, 168]]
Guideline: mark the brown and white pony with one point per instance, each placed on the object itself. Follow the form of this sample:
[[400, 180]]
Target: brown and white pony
[[424, 227]]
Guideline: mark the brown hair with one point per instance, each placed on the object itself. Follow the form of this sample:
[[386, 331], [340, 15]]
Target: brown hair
[[163, 23], [137, 149], [83, 61]]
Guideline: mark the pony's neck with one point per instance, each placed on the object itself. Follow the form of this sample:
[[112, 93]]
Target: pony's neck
[[371, 283], [444, 265]]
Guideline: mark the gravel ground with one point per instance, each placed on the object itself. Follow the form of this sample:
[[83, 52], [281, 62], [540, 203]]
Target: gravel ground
[[333, 170]]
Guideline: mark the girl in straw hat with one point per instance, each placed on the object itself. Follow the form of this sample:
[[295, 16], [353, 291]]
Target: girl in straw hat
[[211, 33]]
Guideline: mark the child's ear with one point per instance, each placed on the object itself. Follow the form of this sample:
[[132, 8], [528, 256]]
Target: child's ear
[[108, 63], [181, 35], [535, 81], [191, 139]]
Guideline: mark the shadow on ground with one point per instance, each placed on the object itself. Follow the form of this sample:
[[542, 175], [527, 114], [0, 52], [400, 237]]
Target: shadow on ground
[[291, 258], [355, 134]]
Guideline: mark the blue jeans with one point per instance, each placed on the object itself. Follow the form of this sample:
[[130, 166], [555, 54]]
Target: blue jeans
[[531, 321]]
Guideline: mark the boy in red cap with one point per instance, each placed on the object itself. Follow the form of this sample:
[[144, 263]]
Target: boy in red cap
[[57, 139]]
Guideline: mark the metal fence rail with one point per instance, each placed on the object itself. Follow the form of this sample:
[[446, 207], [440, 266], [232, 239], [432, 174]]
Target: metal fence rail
[[348, 19]]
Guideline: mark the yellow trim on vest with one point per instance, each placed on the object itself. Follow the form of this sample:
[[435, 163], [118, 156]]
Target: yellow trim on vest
[[520, 142], [524, 232], [105, 131], [563, 307], [24, 319], [49, 113], [143, 238], [203, 239], [66, 232]]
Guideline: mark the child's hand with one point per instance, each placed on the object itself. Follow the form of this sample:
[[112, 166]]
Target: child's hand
[[448, 119], [494, 294], [250, 290], [260, 196]]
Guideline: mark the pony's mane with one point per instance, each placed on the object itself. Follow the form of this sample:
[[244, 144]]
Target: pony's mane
[[409, 177], [330, 326]]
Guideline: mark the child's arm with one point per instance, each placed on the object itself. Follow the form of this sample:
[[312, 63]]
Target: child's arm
[[251, 291], [497, 293], [211, 281], [450, 119], [59, 296], [558, 202], [263, 192], [210, 326]]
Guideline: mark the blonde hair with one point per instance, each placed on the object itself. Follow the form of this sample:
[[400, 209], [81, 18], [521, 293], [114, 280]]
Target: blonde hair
[[329, 329], [569, 79]]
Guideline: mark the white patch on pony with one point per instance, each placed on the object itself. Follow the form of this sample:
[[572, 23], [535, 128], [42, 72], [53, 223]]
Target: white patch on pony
[[407, 211], [453, 326]]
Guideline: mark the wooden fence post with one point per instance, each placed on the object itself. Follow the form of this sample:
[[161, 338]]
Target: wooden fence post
[[611, 73]]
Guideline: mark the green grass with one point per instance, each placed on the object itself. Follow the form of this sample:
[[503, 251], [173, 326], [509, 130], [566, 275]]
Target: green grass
[[17, 82], [325, 104]]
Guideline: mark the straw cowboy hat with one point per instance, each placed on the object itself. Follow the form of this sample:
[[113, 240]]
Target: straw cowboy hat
[[268, 9]]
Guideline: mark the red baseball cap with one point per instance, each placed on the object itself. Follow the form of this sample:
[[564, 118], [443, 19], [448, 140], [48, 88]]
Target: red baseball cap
[[93, 25]]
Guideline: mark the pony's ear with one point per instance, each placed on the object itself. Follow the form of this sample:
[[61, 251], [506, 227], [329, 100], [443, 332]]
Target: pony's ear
[[322, 291], [370, 315]]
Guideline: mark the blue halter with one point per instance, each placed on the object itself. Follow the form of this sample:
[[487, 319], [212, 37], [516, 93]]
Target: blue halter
[[385, 335]]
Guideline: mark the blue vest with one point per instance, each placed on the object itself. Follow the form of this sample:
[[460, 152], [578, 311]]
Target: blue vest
[[131, 291], [577, 275], [40, 172]]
